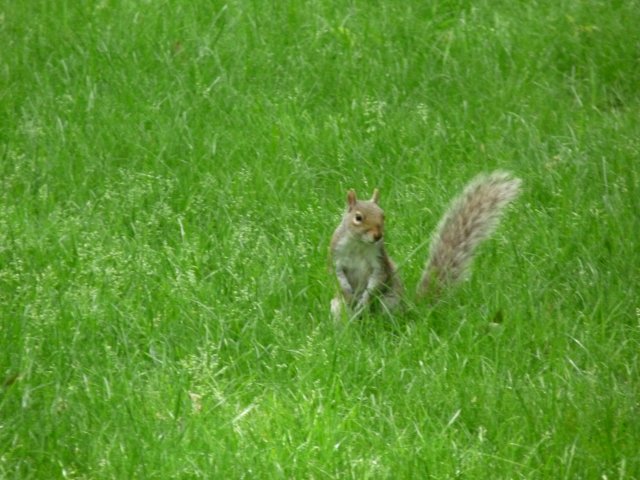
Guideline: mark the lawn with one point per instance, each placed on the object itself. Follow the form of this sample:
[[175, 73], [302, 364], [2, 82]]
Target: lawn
[[170, 176]]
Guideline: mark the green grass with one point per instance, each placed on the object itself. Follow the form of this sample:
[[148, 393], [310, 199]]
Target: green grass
[[171, 173]]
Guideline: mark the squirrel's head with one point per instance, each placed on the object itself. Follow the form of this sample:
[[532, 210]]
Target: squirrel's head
[[364, 218]]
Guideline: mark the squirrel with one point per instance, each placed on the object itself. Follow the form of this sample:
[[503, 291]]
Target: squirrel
[[367, 276]]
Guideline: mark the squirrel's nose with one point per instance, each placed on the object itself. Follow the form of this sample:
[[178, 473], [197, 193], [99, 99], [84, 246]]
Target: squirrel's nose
[[377, 235]]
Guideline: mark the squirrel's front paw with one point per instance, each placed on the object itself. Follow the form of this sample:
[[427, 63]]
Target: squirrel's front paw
[[362, 302], [348, 295]]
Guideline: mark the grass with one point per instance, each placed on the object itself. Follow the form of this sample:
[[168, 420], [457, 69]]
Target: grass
[[171, 173]]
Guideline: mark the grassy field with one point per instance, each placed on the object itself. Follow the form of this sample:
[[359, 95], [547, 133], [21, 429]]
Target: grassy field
[[171, 173]]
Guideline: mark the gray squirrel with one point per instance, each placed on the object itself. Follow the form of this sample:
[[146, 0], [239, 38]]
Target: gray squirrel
[[366, 274]]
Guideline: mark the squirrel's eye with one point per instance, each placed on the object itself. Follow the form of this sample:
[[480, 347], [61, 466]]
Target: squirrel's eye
[[358, 217]]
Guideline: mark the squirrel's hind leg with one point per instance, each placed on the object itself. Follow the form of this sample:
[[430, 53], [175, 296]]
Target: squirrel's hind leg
[[391, 300], [337, 307], [341, 310]]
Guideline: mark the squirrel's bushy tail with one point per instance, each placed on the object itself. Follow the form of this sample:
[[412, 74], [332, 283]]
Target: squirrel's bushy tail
[[470, 219]]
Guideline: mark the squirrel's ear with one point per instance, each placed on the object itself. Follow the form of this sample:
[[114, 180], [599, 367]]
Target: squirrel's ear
[[351, 198], [376, 195]]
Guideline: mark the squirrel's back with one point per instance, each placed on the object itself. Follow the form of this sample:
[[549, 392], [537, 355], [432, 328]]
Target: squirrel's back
[[470, 219]]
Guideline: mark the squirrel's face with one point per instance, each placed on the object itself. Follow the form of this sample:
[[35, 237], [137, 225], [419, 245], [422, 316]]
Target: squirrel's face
[[365, 219]]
